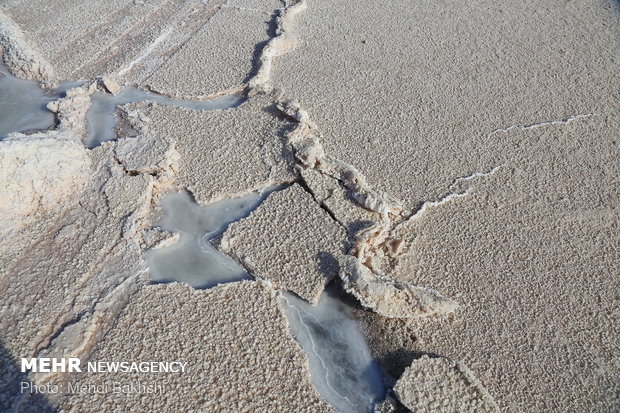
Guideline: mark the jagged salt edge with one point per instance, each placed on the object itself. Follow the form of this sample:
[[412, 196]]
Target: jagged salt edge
[[20, 57]]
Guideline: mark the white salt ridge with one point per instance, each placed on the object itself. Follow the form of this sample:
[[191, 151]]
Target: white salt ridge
[[193, 259], [101, 116], [341, 366], [23, 104]]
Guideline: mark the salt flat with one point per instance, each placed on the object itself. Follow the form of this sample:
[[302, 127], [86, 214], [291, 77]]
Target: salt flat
[[452, 165]]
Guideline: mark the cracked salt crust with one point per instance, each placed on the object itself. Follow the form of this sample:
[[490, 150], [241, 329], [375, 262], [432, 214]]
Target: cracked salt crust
[[440, 384], [389, 298], [97, 279], [290, 241], [398, 93], [338, 200], [94, 279], [144, 154], [240, 321], [543, 124], [219, 57], [284, 41], [358, 273], [550, 199], [245, 145], [434, 125], [83, 238], [529, 254]]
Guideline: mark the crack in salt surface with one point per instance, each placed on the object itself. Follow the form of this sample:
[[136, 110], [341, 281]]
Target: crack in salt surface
[[101, 117], [451, 196], [304, 185], [357, 397], [477, 174], [564, 121], [359, 276], [284, 41], [164, 34]]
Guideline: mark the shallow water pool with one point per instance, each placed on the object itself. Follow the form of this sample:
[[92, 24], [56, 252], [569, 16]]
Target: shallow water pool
[[341, 367], [193, 259], [23, 105], [101, 116]]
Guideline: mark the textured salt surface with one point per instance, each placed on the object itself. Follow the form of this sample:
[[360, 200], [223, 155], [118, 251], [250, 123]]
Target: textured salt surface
[[101, 115], [193, 259], [341, 366], [23, 104]]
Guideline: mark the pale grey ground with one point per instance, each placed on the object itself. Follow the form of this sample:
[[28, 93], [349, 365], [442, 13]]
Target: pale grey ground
[[498, 119], [289, 217]]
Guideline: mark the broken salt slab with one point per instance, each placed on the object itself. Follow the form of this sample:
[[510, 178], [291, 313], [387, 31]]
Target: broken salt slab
[[341, 366], [193, 259], [101, 116]]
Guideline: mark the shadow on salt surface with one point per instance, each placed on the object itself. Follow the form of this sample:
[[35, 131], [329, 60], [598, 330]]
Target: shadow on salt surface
[[12, 397], [23, 104], [341, 366], [101, 116], [193, 259]]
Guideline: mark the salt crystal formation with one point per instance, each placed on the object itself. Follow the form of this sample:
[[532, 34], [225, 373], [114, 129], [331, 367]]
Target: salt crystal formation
[[302, 239], [424, 155], [440, 384], [388, 297]]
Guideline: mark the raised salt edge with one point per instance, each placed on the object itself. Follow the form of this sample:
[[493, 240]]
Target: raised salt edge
[[101, 116]]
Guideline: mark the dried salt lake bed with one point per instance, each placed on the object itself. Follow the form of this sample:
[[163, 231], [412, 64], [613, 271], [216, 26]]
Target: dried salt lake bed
[[342, 369], [341, 366], [442, 237]]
